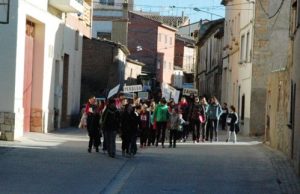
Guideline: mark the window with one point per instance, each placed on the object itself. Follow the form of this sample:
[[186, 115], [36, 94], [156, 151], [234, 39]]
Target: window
[[242, 54], [76, 40], [298, 13], [107, 2], [243, 108], [293, 23], [166, 39], [171, 40], [292, 105], [247, 47], [104, 35], [159, 37]]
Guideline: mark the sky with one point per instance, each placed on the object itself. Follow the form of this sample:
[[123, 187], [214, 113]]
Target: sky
[[205, 9]]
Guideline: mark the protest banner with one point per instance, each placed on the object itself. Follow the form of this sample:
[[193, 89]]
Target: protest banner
[[133, 88]]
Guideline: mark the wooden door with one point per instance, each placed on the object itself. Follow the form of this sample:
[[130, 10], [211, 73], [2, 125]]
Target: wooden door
[[27, 90]]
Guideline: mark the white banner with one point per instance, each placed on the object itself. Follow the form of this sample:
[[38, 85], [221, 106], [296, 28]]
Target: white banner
[[133, 88], [170, 92], [113, 91], [143, 95], [189, 91]]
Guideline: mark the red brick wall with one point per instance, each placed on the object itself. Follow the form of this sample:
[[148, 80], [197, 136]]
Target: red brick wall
[[143, 32]]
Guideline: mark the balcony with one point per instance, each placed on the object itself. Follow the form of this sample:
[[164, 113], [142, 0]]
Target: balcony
[[69, 6]]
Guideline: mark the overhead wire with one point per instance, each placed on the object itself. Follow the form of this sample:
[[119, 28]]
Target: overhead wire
[[266, 13]]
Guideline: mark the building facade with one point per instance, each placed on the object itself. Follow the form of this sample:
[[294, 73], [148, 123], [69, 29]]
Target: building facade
[[231, 49], [295, 84], [277, 132], [185, 58], [110, 20], [152, 43], [103, 67], [41, 49], [209, 59], [245, 66]]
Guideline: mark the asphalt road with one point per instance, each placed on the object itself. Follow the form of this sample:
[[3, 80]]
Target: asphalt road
[[59, 163]]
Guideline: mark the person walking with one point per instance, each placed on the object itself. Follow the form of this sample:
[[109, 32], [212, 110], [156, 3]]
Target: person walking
[[197, 111], [214, 110], [111, 124], [224, 116], [152, 131], [125, 126], [91, 110], [184, 110], [134, 124], [232, 123], [176, 122], [205, 132], [144, 125], [161, 116]]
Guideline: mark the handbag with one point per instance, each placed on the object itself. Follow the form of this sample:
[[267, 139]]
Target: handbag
[[202, 119]]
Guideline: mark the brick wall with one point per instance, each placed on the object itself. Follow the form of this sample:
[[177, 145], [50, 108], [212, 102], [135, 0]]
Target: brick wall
[[99, 68], [143, 32]]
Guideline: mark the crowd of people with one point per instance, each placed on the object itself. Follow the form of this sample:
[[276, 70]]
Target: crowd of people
[[151, 121]]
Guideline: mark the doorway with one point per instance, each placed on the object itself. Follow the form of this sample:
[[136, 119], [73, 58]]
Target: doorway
[[27, 89], [64, 110]]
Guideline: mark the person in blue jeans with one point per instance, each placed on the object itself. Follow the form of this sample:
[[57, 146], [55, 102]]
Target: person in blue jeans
[[213, 112]]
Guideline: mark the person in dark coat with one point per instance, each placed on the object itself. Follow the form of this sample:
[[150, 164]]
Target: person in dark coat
[[232, 122], [224, 116], [111, 124], [134, 124], [196, 110], [144, 126], [126, 127], [93, 128]]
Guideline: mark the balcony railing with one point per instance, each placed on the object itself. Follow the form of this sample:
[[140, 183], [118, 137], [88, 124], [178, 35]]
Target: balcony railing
[[70, 6]]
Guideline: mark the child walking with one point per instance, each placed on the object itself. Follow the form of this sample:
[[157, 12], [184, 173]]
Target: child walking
[[176, 122], [232, 123]]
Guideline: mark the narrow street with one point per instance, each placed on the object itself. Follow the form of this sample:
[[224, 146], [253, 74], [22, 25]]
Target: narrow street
[[59, 163]]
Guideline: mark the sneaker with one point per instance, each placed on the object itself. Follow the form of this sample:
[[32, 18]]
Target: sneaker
[[174, 146], [97, 149], [90, 150]]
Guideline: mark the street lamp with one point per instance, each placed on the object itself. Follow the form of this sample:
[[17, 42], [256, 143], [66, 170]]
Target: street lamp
[[211, 14]]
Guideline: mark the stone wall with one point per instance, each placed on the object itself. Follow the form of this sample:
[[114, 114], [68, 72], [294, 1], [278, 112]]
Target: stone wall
[[36, 120], [7, 125], [278, 135], [260, 70]]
